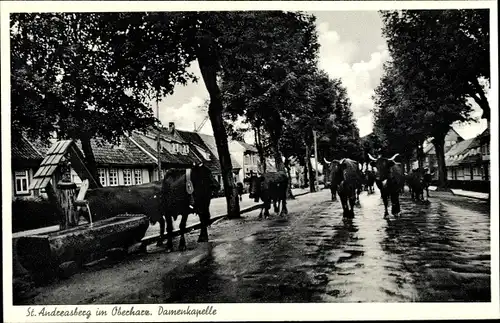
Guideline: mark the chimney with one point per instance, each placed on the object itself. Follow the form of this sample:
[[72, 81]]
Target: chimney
[[171, 127]]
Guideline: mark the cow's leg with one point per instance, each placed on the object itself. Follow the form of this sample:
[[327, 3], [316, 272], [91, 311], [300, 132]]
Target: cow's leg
[[182, 229], [267, 206], [260, 214], [395, 208], [276, 204], [427, 190], [170, 229], [284, 210], [162, 231], [204, 220], [386, 202], [333, 190], [345, 207], [352, 202]]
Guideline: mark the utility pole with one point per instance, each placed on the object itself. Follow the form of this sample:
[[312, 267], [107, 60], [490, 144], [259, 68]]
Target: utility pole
[[316, 182], [158, 138]]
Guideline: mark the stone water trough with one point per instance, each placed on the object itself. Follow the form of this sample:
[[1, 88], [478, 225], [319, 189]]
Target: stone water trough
[[57, 253]]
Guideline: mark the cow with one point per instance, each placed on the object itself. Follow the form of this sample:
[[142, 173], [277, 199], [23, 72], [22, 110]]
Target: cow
[[370, 180], [106, 202], [270, 187], [239, 187], [334, 177], [416, 184], [389, 180], [159, 200], [346, 181], [186, 191]]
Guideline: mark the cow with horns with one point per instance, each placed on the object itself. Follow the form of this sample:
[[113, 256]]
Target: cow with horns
[[390, 181], [345, 180]]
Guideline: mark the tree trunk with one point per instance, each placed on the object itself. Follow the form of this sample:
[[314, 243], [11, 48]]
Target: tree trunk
[[438, 143], [89, 157], [310, 174], [481, 99], [289, 194], [208, 66], [260, 150], [280, 166]]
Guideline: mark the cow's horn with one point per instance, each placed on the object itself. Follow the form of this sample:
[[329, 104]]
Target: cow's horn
[[392, 158], [326, 161], [371, 157], [342, 160]]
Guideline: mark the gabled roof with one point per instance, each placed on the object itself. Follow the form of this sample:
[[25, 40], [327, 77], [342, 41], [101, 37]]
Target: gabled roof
[[126, 153], [459, 148], [61, 151], [210, 144], [248, 147], [166, 157], [22, 152], [194, 139]]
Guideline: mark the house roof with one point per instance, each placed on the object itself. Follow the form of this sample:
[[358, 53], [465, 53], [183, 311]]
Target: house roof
[[166, 156], [194, 139], [58, 152], [248, 147], [126, 153], [210, 144], [471, 159], [459, 148], [23, 152]]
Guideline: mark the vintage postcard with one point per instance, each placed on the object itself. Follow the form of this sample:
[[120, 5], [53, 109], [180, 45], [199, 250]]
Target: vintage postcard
[[244, 161]]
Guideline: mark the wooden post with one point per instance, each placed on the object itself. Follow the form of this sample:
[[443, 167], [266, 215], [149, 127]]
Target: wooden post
[[65, 197]]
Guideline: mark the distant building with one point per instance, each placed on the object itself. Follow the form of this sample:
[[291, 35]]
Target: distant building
[[25, 159], [430, 159], [247, 156]]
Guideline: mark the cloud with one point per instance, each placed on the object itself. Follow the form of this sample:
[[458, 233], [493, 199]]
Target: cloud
[[360, 78]]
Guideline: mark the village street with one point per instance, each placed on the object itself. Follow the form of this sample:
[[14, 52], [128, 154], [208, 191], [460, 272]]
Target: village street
[[435, 252]]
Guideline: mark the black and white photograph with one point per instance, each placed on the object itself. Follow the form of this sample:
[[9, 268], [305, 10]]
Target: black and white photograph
[[221, 161]]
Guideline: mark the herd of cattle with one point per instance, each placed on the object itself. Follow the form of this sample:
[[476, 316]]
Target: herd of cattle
[[183, 192]]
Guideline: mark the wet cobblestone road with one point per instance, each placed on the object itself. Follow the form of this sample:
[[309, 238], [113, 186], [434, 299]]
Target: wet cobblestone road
[[435, 252]]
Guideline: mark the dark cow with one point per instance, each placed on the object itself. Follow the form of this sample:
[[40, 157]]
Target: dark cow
[[390, 181], [334, 177], [176, 200], [416, 184], [346, 176], [158, 200], [370, 180], [110, 201], [270, 187], [239, 187]]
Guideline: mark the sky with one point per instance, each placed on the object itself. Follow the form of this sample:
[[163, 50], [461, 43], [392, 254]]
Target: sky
[[352, 48]]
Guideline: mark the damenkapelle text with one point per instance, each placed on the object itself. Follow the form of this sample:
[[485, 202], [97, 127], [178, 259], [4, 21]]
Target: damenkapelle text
[[209, 310]]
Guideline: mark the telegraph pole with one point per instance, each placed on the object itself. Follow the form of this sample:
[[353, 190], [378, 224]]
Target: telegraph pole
[[316, 182]]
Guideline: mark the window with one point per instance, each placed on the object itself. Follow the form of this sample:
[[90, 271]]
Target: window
[[127, 177], [102, 176], [247, 159], [137, 176], [476, 171], [113, 177], [21, 180]]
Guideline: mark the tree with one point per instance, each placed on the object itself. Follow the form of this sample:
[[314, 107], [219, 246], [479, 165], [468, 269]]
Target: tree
[[69, 77], [263, 71], [431, 52], [451, 46]]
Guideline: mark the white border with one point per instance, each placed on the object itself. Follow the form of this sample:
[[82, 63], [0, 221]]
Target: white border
[[250, 312]]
